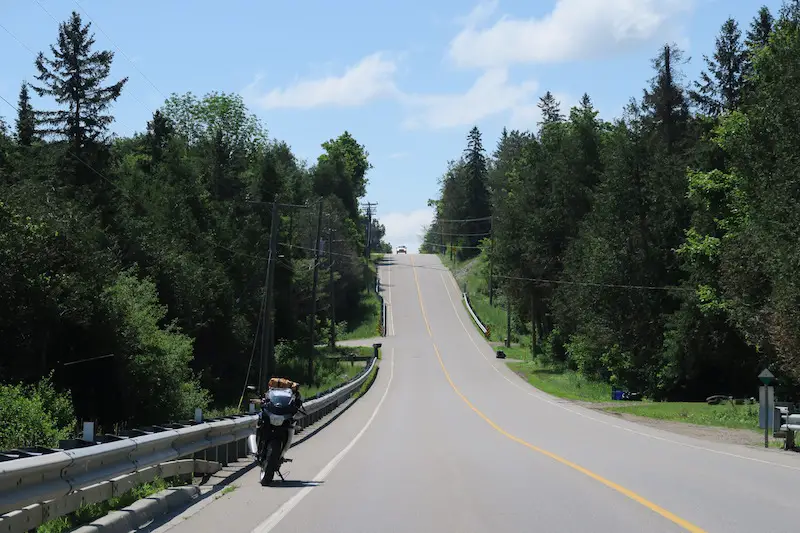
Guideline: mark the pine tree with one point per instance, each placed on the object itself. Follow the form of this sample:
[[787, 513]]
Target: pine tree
[[720, 88], [26, 118], [74, 77], [551, 109], [665, 100], [760, 30], [475, 177]]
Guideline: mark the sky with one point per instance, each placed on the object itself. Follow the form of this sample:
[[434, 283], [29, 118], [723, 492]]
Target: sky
[[407, 79]]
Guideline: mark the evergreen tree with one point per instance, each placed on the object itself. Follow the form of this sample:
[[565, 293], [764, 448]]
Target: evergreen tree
[[26, 118], [720, 88], [760, 30], [665, 101], [475, 181], [551, 109], [75, 78], [159, 132]]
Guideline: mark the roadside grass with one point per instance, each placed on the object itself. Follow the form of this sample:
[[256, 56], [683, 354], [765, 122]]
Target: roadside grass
[[89, 513], [570, 385], [368, 383], [699, 413], [367, 351], [494, 317], [562, 383], [366, 323], [332, 373]]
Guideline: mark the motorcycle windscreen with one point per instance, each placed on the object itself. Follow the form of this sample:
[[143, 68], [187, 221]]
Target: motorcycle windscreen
[[280, 397]]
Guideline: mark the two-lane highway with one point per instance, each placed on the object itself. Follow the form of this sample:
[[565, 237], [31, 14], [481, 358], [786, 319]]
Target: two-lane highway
[[448, 439]]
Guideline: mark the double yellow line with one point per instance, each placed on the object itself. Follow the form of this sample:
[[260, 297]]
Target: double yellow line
[[619, 488]]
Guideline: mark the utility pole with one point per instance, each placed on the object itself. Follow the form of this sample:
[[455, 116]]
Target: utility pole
[[508, 318], [491, 268], [267, 337], [313, 317], [331, 286], [370, 206]]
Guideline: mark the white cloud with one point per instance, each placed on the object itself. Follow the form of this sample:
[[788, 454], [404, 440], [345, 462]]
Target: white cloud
[[490, 94], [369, 79], [406, 228], [573, 30]]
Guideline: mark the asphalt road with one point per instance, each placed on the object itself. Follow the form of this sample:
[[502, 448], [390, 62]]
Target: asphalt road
[[448, 439]]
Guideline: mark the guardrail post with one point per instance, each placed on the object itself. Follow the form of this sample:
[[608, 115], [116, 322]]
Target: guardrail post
[[198, 415], [88, 431]]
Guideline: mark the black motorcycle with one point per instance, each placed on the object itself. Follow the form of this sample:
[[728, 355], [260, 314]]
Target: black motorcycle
[[275, 431]]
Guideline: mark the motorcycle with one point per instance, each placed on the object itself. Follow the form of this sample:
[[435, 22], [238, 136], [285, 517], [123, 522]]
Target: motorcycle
[[275, 431]]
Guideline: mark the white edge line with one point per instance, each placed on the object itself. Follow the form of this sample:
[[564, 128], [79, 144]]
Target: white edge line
[[269, 524], [598, 420]]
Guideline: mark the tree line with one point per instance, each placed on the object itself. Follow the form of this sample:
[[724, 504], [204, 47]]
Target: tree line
[[132, 268], [657, 251]]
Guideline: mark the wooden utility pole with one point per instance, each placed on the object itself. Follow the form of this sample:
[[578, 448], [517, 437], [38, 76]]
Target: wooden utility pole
[[491, 269], [331, 286], [370, 207], [313, 316], [508, 318], [267, 336]]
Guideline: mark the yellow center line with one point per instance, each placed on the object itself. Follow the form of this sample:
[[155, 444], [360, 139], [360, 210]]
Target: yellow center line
[[619, 488]]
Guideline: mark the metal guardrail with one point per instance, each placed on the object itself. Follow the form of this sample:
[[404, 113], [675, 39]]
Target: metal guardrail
[[383, 305], [475, 318], [785, 425], [39, 484]]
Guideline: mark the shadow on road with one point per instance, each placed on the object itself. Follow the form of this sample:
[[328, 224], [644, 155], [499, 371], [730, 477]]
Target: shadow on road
[[294, 484]]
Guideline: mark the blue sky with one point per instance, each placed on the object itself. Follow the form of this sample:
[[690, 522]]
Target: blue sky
[[407, 79]]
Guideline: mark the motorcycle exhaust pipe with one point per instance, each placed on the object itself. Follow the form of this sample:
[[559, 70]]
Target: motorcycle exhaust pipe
[[252, 447]]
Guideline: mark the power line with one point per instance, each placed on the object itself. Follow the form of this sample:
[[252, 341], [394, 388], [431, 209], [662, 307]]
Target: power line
[[463, 219], [562, 282], [118, 49], [28, 48], [483, 234]]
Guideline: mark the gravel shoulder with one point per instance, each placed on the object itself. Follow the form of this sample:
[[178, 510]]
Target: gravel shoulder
[[742, 437]]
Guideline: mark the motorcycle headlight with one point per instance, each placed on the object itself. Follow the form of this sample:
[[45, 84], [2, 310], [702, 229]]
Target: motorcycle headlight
[[276, 420]]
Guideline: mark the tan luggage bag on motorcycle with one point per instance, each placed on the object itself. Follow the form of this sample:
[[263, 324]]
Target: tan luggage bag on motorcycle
[[282, 383]]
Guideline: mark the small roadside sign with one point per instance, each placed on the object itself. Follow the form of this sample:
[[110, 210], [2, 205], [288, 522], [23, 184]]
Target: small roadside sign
[[766, 376]]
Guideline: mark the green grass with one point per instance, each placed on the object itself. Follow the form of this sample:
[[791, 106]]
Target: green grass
[[333, 374], [227, 490], [367, 384], [562, 383], [367, 322], [91, 512], [367, 351], [700, 413], [573, 386], [494, 316]]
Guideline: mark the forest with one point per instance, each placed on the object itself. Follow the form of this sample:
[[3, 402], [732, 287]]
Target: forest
[[657, 251], [132, 268]]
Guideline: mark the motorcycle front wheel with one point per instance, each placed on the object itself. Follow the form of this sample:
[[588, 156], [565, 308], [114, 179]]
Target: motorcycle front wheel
[[269, 463]]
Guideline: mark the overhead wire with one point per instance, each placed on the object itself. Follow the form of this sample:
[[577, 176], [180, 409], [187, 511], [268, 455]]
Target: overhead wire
[[555, 281]]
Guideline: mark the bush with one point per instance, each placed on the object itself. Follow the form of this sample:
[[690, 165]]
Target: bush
[[35, 415], [163, 386]]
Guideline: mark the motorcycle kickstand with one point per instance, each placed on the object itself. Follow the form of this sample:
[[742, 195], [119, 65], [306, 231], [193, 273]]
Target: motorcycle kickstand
[[279, 473]]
